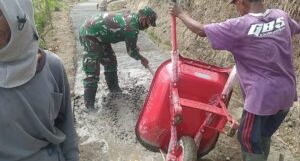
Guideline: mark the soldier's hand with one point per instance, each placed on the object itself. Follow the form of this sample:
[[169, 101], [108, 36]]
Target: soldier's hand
[[144, 62]]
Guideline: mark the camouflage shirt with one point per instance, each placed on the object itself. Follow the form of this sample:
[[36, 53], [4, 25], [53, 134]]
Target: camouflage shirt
[[108, 27]]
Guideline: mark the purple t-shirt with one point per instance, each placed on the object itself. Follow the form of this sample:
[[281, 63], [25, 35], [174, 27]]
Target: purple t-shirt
[[262, 49]]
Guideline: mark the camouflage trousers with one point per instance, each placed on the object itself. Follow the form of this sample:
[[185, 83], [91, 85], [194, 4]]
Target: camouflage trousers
[[94, 54]]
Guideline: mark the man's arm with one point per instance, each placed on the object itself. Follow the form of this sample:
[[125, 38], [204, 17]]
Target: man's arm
[[294, 26], [69, 147], [222, 36], [132, 48], [134, 51], [190, 23]]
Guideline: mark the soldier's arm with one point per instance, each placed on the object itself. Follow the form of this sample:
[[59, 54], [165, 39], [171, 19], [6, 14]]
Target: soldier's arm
[[133, 51], [132, 48]]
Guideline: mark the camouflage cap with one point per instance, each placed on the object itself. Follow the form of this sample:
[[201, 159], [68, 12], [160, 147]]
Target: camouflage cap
[[149, 12]]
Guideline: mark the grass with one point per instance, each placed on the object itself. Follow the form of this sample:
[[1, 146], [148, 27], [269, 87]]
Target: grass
[[42, 14], [165, 44]]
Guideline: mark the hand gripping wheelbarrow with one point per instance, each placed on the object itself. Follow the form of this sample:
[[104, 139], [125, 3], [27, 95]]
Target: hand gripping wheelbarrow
[[186, 107]]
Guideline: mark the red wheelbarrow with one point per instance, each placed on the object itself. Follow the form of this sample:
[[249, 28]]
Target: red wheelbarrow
[[186, 107], [193, 128]]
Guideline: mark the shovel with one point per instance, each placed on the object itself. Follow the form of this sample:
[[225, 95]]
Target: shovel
[[150, 69]]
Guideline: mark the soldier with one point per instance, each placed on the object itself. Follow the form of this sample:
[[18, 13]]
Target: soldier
[[36, 118], [96, 35]]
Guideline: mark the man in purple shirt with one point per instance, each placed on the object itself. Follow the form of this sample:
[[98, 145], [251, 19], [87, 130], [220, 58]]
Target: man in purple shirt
[[260, 41]]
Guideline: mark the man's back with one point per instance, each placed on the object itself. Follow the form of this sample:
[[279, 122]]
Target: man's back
[[111, 27], [265, 55], [261, 45]]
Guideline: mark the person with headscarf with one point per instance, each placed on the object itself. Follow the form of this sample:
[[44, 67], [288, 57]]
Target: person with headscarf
[[36, 119]]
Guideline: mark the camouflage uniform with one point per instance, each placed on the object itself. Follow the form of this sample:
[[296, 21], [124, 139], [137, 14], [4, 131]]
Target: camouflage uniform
[[96, 35]]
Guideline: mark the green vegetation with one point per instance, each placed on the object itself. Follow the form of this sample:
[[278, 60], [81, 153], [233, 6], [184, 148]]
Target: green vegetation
[[165, 44], [43, 9]]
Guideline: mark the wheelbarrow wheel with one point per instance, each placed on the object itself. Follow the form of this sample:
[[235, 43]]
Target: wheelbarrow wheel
[[188, 149]]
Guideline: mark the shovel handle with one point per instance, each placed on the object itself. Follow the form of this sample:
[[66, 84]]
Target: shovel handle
[[150, 69]]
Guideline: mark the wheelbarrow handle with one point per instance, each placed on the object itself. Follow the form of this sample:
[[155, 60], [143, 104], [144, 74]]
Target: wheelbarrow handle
[[233, 77], [173, 32], [174, 56]]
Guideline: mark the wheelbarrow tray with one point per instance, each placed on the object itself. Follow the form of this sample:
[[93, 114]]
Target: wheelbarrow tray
[[198, 82]]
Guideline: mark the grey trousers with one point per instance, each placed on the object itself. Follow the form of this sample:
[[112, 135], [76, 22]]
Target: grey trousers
[[49, 153]]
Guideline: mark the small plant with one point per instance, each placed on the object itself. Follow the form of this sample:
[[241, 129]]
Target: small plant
[[42, 13]]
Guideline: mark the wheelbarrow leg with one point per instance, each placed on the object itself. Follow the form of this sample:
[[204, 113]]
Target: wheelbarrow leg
[[173, 143]]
